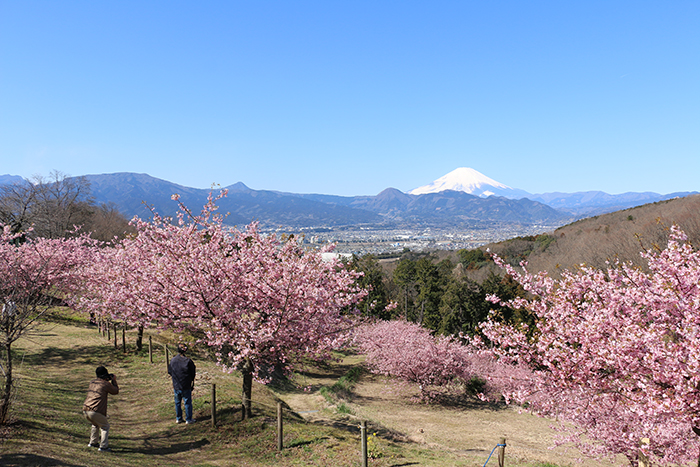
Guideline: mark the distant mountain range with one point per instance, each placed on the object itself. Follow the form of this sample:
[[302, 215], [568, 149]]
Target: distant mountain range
[[8, 179], [463, 198], [580, 204]]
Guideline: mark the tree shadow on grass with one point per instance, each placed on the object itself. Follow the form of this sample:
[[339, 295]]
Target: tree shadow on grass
[[164, 445], [68, 430], [88, 355], [295, 444], [352, 426], [467, 402], [22, 460], [297, 384]]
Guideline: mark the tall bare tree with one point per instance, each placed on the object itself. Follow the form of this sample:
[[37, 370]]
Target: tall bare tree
[[53, 205], [62, 202]]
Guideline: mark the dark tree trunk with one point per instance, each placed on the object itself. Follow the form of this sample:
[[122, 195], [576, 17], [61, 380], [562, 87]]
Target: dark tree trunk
[[247, 371], [7, 392], [139, 339]]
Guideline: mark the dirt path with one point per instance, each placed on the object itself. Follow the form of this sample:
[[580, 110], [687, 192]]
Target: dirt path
[[68, 356]]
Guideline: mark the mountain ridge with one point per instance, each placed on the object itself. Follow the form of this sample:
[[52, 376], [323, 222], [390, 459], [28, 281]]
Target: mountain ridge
[[138, 194]]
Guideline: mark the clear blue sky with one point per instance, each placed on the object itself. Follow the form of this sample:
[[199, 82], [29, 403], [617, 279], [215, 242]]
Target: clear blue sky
[[353, 97]]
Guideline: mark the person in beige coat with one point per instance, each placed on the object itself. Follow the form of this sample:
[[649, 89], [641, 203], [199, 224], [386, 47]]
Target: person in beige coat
[[95, 407]]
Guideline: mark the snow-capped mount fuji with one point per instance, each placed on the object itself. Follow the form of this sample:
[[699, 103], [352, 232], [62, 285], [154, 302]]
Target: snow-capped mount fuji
[[470, 181]]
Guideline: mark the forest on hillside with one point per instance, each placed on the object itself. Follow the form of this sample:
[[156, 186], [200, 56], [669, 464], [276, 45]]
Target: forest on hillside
[[446, 291]]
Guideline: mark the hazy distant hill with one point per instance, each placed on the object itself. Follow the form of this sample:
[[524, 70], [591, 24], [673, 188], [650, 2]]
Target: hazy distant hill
[[590, 203], [390, 208], [10, 179], [457, 207], [132, 193]]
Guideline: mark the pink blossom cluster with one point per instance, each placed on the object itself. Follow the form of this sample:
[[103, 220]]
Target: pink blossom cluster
[[34, 269], [616, 353], [34, 273], [254, 297], [409, 352]]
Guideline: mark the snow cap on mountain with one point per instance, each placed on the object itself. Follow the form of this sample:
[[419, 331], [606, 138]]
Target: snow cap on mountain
[[469, 181]]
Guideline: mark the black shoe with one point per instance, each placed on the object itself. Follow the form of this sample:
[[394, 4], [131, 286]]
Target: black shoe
[[105, 450], [93, 445]]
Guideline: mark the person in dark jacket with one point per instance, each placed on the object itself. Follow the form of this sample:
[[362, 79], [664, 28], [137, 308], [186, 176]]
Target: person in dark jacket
[[95, 407], [182, 371]]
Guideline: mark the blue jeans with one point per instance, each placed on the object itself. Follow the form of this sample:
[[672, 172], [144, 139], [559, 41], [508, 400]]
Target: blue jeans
[[184, 395]]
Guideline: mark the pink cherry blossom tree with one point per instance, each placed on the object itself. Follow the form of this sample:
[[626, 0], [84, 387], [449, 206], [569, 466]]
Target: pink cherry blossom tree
[[264, 303], [35, 273], [408, 352], [616, 353]]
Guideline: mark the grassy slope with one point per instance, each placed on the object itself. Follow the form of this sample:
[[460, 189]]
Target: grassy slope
[[56, 364]]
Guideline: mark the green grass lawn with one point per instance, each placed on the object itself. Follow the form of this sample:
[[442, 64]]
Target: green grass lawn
[[55, 365]]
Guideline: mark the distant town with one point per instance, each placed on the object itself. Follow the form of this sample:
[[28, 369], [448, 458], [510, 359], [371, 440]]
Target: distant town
[[387, 242]]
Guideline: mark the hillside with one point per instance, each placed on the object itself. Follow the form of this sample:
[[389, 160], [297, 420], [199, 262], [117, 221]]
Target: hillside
[[595, 240]]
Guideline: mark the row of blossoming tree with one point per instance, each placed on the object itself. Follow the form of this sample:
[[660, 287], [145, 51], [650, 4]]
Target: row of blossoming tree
[[262, 302]]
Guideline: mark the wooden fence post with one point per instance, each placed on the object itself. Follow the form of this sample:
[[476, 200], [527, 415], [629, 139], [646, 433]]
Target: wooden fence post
[[280, 443], [363, 435], [213, 405], [150, 349], [643, 459], [502, 453]]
